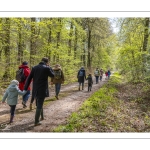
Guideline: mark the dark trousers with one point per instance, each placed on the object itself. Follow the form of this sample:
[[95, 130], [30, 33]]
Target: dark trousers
[[89, 86], [39, 102], [12, 109], [96, 78]]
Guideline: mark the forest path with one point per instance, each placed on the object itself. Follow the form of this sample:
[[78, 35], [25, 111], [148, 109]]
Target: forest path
[[56, 112]]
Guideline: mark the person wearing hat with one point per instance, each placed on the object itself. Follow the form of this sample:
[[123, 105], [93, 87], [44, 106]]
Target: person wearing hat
[[39, 74], [27, 70], [58, 79], [81, 76], [11, 95]]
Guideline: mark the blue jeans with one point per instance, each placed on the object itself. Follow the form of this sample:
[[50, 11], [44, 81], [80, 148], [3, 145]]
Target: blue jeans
[[57, 88], [96, 79], [12, 109], [26, 97]]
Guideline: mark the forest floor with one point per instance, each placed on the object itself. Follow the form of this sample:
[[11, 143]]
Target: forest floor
[[56, 112]]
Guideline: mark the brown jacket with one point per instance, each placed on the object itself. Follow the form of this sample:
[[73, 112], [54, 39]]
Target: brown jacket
[[54, 80]]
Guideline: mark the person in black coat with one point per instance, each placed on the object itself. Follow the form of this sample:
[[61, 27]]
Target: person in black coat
[[81, 76], [39, 74]]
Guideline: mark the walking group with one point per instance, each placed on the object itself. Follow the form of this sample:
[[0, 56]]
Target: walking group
[[38, 78], [98, 76]]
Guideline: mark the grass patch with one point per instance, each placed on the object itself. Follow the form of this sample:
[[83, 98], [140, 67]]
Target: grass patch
[[118, 106], [93, 113]]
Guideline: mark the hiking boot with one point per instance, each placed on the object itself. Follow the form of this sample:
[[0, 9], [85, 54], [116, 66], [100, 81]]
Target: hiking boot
[[37, 116], [82, 87], [11, 119], [24, 105], [37, 124], [31, 106], [42, 115]]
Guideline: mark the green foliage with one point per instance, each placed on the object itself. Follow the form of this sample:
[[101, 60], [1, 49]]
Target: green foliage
[[92, 108]]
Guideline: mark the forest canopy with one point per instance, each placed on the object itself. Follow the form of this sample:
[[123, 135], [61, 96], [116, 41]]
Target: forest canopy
[[71, 42]]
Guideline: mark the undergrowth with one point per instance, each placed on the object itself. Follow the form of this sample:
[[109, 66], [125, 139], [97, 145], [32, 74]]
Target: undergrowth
[[118, 106], [93, 108]]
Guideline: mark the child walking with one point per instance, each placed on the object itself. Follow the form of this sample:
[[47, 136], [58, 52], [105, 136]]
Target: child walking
[[90, 82], [11, 95]]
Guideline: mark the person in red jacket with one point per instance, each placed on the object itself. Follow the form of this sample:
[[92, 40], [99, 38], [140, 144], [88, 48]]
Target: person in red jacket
[[21, 84]]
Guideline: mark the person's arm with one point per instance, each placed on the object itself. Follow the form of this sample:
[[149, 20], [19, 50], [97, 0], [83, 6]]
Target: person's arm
[[50, 72], [5, 96], [21, 92]]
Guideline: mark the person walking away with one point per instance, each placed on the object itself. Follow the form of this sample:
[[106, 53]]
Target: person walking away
[[81, 76], [26, 71], [109, 73], [58, 79], [106, 74], [11, 95], [97, 73], [101, 74], [39, 74], [90, 82]]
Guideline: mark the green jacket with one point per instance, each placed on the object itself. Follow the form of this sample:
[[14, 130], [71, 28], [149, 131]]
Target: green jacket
[[11, 94]]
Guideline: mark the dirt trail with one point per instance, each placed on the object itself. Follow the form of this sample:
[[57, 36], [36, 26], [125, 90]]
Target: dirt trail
[[56, 112]]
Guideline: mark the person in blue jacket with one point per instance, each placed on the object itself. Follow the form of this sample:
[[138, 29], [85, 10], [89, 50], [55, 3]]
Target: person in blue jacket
[[81, 77], [109, 73]]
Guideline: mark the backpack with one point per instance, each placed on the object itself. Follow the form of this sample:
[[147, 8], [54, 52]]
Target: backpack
[[57, 74], [96, 72], [20, 76], [80, 73]]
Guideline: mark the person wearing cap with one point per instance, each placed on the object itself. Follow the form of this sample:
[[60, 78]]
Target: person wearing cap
[[81, 76], [39, 74], [21, 84], [58, 79], [11, 95]]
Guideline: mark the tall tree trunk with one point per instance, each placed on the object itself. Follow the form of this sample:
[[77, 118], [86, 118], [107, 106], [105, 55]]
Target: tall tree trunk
[[89, 47], [84, 53], [48, 53], [6, 48], [20, 42], [70, 38], [33, 41], [75, 43], [1, 38], [145, 43], [146, 34]]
